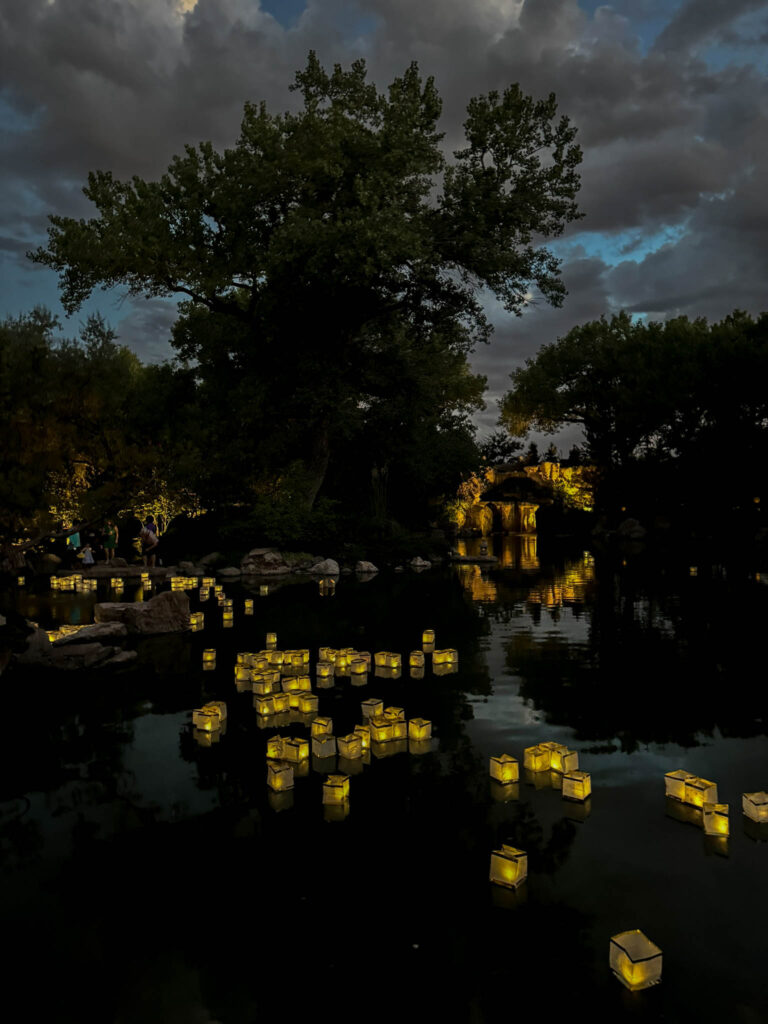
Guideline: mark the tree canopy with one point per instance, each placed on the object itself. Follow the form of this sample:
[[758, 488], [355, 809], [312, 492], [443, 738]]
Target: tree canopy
[[315, 270]]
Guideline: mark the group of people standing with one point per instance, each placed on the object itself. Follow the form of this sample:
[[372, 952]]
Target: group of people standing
[[103, 546]]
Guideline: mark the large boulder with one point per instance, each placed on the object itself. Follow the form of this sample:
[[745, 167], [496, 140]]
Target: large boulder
[[264, 562], [420, 563], [230, 572], [209, 559], [166, 613], [73, 657], [365, 567], [328, 567], [95, 634]]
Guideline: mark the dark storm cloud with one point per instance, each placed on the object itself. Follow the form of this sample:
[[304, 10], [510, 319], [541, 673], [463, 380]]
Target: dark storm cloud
[[669, 142]]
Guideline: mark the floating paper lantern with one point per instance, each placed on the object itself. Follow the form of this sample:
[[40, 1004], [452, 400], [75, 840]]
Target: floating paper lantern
[[366, 656], [755, 806], [279, 775], [674, 783], [399, 729], [382, 729], [196, 620], [350, 746], [336, 789], [358, 667], [275, 747], [577, 785], [504, 792], [341, 664], [509, 867], [419, 729], [219, 707], [715, 819], [323, 746], [448, 656], [416, 659], [505, 769], [538, 758], [562, 759], [261, 683], [322, 727], [264, 703], [635, 960], [203, 593], [21, 581], [380, 659], [700, 791], [327, 654], [271, 641], [276, 658], [249, 606], [209, 654], [364, 732], [282, 702], [116, 582], [296, 749], [205, 719], [263, 590], [394, 660], [207, 582], [308, 703], [324, 669], [428, 636], [372, 707], [394, 714]]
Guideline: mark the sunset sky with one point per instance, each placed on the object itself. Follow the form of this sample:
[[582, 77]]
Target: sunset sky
[[670, 99]]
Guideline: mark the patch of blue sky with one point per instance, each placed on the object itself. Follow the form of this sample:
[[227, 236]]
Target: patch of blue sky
[[721, 56], [13, 120], [647, 17], [286, 12], [359, 27], [616, 248]]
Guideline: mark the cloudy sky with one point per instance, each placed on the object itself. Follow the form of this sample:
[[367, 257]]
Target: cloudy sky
[[670, 98]]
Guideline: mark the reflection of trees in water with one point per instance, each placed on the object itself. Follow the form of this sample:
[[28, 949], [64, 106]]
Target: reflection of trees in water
[[664, 660]]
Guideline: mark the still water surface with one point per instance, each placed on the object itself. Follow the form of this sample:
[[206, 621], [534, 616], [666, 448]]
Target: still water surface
[[149, 878]]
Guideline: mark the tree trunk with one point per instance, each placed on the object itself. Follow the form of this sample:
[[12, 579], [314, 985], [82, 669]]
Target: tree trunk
[[316, 466]]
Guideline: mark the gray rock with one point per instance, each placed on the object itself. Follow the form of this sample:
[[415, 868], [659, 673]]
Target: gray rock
[[187, 567], [208, 560], [48, 563], [118, 563], [40, 651], [328, 567], [420, 563], [264, 562], [122, 658], [230, 572], [165, 613], [365, 567], [96, 633], [3, 620]]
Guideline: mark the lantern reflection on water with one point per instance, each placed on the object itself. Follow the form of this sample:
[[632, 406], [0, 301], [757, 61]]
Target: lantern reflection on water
[[279, 775], [755, 806], [336, 789], [577, 785], [263, 590], [509, 867], [417, 672], [448, 669], [635, 960], [505, 769], [715, 819]]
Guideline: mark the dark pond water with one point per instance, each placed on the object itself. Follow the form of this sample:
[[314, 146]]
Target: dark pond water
[[147, 878]]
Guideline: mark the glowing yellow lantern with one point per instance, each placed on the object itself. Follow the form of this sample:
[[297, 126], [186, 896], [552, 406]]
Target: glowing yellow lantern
[[326, 654], [264, 703], [399, 729], [271, 640], [505, 769], [350, 746], [366, 656], [419, 729], [208, 582], [20, 580], [674, 783], [323, 746], [249, 606], [275, 747], [537, 759], [324, 669], [116, 581], [308, 703], [205, 719], [341, 664], [196, 620], [279, 775], [755, 806], [144, 577], [209, 654], [203, 593], [577, 785], [261, 683], [700, 791], [364, 732], [382, 729], [219, 707], [416, 659], [394, 714], [296, 749], [562, 759], [372, 707], [282, 702], [394, 660], [336, 789], [322, 727], [716, 820], [358, 667], [380, 659], [635, 960], [276, 658], [53, 634], [509, 867], [428, 636]]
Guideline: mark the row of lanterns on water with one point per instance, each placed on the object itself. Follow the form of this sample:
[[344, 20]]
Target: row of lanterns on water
[[701, 796]]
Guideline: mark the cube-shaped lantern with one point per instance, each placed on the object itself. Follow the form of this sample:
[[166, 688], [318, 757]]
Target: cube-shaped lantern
[[275, 747], [336, 789], [419, 729], [364, 732], [393, 660], [324, 669], [395, 714], [243, 673], [227, 620], [264, 703], [323, 746], [282, 702], [755, 806], [448, 656], [674, 783], [219, 706], [577, 785], [249, 606], [263, 589], [509, 867], [279, 775], [271, 640], [358, 667], [416, 659], [716, 820], [537, 759], [294, 696], [261, 682], [203, 592], [635, 960], [372, 707], [326, 654], [308, 703], [322, 727], [428, 636], [208, 581], [296, 749], [205, 719], [505, 769], [275, 658], [399, 729], [366, 656], [380, 659], [562, 759], [382, 729], [350, 746], [700, 791]]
